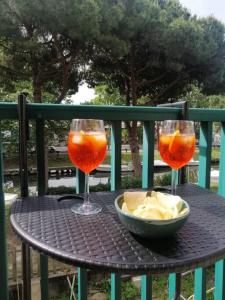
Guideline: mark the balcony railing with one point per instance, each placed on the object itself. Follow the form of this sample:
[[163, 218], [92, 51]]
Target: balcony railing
[[116, 114]]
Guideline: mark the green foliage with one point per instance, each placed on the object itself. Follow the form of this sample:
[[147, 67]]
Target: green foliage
[[128, 182], [107, 96], [33, 52], [64, 296], [55, 133], [102, 285], [142, 49], [163, 180], [130, 291], [9, 133], [166, 49], [198, 99]]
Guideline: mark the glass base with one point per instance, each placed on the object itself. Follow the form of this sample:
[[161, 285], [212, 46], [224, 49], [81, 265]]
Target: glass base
[[83, 209]]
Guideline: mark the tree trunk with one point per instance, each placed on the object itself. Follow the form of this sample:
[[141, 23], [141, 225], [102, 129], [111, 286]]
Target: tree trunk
[[37, 93], [36, 82], [65, 81], [132, 126], [134, 147]]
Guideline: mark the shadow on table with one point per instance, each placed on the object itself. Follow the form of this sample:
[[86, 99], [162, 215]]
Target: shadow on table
[[192, 240]]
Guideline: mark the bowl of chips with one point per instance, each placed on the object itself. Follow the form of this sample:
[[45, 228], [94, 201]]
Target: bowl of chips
[[152, 214]]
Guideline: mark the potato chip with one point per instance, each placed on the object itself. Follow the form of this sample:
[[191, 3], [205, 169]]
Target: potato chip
[[183, 211], [153, 205], [134, 199], [169, 201], [125, 208], [151, 200], [167, 213], [148, 212]]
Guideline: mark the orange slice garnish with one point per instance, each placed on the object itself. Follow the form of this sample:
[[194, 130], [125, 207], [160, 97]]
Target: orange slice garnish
[[172, 145]]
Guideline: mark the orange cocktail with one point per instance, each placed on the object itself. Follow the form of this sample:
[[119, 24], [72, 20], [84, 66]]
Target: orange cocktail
[[176, 149], [87, 149]]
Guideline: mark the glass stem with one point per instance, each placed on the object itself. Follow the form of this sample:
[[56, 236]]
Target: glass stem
[[174, 182], [86, 191]]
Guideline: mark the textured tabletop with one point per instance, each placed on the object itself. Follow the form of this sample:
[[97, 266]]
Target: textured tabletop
[[101, 242]]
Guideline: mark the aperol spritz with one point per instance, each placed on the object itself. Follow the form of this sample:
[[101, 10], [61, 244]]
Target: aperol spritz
[[177, 144], [87, 147]]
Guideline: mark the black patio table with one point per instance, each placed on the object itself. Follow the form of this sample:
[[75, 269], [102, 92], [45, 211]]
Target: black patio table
[[101, 242]]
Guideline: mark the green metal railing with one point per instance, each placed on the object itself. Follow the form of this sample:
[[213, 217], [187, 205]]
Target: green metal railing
[[116, 114]]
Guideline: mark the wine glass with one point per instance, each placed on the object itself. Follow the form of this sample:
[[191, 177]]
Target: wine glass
[[87, 146], [176, 145]]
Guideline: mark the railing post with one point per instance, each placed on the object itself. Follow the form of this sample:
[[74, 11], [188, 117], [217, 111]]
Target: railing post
[[80, 177], [82, 284], [115, 184], [220, 265], [42, 188], [42, 163], [26, 268], [82, 273], [174, 286], [148, 154], [3, 246], [221, 189], [116, 155], [147, 182], [200, 284], [23, 136], [115, 286], [205, 148], [146, 287], [219, 293]]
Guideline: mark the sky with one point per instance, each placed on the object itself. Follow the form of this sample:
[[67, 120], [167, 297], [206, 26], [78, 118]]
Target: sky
[[201, 8], [206, 8], [84, 94]]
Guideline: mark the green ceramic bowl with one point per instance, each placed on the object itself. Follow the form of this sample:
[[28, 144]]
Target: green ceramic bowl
[[150, 228]]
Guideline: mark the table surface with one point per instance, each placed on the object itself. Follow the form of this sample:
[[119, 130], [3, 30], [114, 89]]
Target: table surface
[[102, 242]]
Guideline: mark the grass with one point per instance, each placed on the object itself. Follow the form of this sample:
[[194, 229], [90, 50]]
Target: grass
[[64, 296], [54, 160], [100, 284]]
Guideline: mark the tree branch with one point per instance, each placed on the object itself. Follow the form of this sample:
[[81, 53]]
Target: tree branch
[[174, 82], [65, 82], [15, 72], [62, 95], [15, 51], [150, 81], [142, 69]]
